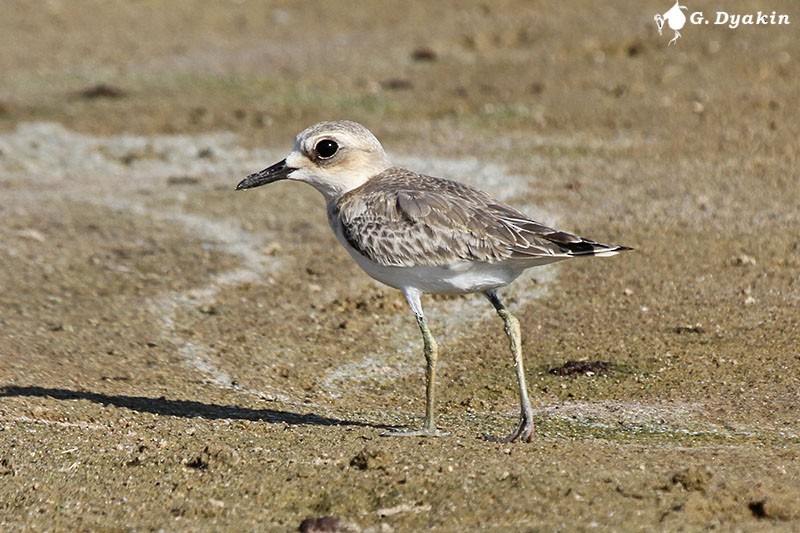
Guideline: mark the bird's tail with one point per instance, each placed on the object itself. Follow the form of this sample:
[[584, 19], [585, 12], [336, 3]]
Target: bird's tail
[[585, 247]]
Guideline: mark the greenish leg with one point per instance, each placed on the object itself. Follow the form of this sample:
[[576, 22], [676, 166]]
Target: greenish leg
[[431, 351], [524, 431]]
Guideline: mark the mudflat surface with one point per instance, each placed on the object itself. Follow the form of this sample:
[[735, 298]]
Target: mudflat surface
[[178, 356]]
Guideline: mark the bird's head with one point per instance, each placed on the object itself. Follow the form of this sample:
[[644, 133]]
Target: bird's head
[[334, 157]]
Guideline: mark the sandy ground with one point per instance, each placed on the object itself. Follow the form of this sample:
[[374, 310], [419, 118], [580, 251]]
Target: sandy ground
[[178, 356]]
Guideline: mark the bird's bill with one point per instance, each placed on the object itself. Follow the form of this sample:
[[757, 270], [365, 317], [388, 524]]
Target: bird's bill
[[278, 171]]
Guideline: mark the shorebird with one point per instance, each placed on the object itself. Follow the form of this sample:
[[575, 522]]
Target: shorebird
[[424, 235]]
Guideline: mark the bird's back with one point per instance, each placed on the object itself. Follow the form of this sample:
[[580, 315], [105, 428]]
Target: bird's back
[[401, 218]]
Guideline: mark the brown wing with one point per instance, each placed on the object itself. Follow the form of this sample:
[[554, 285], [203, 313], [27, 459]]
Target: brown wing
[[532, 239], [401, 218]]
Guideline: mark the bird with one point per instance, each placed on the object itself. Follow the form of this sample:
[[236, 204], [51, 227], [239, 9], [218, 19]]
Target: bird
[[424, 235]]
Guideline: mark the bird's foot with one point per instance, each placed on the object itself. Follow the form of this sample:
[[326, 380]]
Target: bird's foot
[[424, 432], [523, 433]]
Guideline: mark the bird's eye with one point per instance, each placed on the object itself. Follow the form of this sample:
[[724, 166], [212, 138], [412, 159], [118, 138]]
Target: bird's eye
[[326, 148]]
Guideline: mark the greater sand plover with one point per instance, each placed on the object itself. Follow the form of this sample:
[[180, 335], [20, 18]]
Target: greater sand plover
[[424, 235]]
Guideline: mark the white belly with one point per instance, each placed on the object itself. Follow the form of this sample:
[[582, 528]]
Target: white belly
[[461, 278]]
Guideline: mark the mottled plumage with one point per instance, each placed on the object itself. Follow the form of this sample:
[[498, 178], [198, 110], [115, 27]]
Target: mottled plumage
[[401, 218], [424, 235]]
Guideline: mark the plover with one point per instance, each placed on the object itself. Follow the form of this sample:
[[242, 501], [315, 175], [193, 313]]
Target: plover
[[424, 235]]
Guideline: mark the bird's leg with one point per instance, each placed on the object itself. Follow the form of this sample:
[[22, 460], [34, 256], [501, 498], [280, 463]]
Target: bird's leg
[[431, 351], [524, 431]]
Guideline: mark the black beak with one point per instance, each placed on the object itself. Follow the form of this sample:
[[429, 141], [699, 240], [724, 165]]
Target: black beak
[[278, 171]]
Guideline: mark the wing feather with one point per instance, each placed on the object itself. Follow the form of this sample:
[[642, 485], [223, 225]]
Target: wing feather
[[401, 218]]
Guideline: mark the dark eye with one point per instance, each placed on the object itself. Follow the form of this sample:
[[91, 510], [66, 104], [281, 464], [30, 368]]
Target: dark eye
[[326, 148]]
